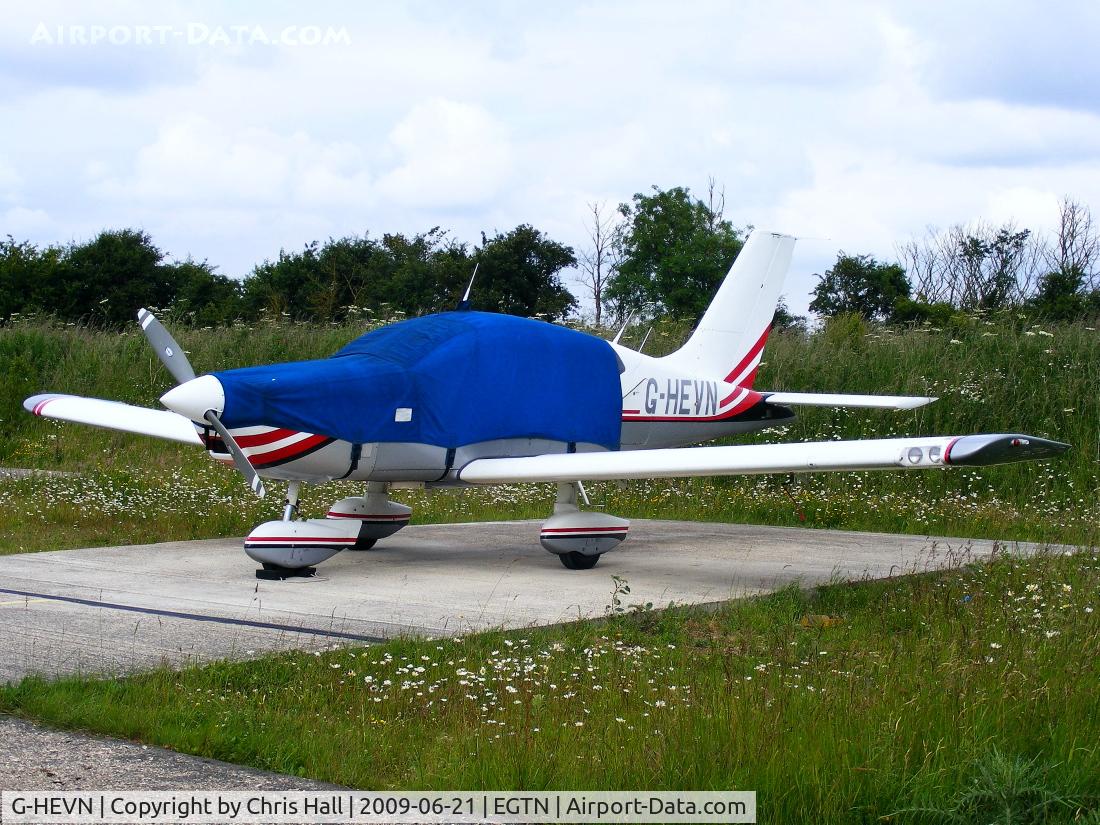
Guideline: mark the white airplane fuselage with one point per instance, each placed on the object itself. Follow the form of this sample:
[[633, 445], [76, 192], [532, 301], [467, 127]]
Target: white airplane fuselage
[[662, 406]]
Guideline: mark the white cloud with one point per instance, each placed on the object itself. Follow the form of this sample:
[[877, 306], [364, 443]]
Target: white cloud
[[451, 155], [10, 180], [1025, 206], [194, 161], [21, 222], [859, 121]]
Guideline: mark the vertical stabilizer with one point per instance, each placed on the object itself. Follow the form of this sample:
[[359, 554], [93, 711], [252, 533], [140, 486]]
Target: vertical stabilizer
[[729, 340]]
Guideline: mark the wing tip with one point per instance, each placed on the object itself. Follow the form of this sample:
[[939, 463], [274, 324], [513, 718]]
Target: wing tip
[[1006, 448], [35, 403]]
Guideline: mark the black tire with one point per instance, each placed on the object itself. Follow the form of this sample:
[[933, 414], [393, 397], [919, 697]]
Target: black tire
[[578, 561], [276, 572], [364, 544]]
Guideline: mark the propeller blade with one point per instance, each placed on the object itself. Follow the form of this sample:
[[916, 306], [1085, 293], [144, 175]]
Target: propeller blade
[[239, 458], [168, 351]]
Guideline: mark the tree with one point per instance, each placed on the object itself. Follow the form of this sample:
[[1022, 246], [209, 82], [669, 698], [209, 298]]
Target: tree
[[674, 250], [992, 266], [518, 274], [106, 280], [1077, 247], [976, 266], [284, 286], [1061, 297], [1069, 289], [785, 320], [324, 282], [201, 296], [413, 276], [860, 284], [599, 261], [24, 272], [430, 271]]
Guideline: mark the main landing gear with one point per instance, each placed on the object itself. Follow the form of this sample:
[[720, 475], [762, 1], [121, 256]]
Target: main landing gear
[[578, 538], [376, 515], [292, 547]]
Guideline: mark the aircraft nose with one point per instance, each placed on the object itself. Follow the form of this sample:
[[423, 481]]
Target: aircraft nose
[[194, 398]]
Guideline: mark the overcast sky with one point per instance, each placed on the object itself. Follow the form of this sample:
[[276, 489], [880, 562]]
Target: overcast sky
[[227, 134]]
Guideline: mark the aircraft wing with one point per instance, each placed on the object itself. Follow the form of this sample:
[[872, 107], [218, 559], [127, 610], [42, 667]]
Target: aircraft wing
[[809, 457], [828, 399], [114, 416]]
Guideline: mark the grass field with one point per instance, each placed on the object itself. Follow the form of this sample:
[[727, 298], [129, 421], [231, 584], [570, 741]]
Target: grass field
[[989, 377], [963, 696]]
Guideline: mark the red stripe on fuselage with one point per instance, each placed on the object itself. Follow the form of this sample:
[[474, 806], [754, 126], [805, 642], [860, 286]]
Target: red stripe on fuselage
[[291, 450], [259, 439], [751, 399]]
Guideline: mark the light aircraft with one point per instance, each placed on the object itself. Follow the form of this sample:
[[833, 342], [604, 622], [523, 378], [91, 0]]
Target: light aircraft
[[469, 398]]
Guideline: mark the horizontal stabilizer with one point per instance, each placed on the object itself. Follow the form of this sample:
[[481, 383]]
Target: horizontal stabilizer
[[114, 416], [829, 399], [809, 457]]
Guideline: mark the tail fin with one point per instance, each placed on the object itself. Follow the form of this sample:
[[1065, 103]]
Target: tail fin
[[730, 338]]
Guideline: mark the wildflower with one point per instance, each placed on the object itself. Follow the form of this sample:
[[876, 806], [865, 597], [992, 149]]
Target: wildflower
[[995, 645]]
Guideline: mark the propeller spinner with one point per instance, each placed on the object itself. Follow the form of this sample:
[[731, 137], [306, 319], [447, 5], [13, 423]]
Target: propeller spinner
[[200, 399]]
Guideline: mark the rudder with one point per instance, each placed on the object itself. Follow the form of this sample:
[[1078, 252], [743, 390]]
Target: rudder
[[729, 340]]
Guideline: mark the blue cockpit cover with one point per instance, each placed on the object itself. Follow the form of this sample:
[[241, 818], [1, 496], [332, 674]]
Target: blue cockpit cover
[[466, 377]]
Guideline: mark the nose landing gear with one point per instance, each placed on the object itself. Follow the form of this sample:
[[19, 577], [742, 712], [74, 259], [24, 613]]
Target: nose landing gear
[[291, 547]]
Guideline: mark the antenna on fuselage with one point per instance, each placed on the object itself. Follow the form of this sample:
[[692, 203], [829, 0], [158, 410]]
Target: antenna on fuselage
[[464, 304], [621, 331]]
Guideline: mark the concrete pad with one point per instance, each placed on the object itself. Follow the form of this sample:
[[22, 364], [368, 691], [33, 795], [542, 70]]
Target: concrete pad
[[35, 758], [122, 609]]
